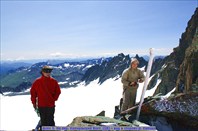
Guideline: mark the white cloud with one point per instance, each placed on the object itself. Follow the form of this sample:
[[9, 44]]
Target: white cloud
[[57, 54], [81, 55], [163, 51]]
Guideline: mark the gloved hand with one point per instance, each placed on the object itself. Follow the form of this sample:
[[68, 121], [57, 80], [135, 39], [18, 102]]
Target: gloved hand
[[36, 110], [133, 83], [140, 80]]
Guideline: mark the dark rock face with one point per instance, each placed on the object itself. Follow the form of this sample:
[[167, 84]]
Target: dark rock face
[[180, 68], [157, 64], [168, 78], [188, 74]]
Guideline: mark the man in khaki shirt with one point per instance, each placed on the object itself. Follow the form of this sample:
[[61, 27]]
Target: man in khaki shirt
[[130, 79]]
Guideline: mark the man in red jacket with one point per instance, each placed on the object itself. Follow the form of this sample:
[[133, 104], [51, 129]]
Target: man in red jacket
[[44, 92]]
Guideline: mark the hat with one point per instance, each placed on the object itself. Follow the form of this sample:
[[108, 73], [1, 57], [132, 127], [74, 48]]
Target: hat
[[47, 69], [134, 60]]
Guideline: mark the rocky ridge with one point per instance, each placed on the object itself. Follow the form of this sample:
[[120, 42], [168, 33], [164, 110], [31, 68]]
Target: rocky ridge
[[180, 68]]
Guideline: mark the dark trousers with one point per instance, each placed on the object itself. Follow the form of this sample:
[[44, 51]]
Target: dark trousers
[[47, 116]]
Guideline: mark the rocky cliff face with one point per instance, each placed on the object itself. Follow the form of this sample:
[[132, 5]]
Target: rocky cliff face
[[188, 71], [180, 68]]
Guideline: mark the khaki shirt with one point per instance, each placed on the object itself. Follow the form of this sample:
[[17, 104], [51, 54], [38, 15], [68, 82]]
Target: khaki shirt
[[131, 75]]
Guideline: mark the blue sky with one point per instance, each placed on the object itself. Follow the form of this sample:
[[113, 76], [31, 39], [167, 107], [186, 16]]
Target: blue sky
[[69, 29]]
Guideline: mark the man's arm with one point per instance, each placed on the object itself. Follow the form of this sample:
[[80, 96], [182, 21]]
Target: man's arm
[[142, 77], [124, 79], [33, 94], [57, 92]]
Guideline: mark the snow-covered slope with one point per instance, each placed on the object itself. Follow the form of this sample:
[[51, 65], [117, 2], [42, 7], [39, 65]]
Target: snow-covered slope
[[17, 112]]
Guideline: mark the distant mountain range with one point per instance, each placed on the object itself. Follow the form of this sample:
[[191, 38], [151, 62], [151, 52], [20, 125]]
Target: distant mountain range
[[8, 66], [67, 73]]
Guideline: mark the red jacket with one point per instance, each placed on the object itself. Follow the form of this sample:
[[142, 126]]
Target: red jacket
[[47, 90]]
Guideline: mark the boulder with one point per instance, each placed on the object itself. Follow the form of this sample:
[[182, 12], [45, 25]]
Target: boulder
[[102, 121]]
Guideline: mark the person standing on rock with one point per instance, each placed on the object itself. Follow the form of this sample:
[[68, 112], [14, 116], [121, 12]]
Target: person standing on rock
[[44, 92], [130, 79]]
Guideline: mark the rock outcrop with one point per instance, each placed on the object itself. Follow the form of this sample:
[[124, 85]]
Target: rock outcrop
[[98, 122], [180, 111]]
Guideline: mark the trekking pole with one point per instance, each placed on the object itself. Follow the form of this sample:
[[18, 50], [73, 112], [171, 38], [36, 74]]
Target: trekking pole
[[38, 126], [38, 114], [145, 83]]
